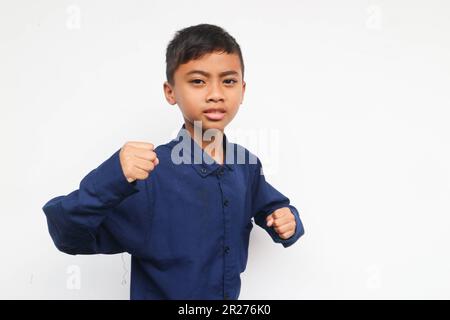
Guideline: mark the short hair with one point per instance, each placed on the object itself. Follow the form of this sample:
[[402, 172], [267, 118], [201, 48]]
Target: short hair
[[193, 42]]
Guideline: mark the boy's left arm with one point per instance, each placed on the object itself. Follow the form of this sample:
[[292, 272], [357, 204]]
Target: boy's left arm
[[273, 212]]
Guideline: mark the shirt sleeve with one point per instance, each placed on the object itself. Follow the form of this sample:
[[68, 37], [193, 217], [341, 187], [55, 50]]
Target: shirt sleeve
[[265, 200], [101, 216]]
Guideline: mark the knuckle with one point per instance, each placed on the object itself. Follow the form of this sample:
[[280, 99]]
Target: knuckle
[[127, 150]]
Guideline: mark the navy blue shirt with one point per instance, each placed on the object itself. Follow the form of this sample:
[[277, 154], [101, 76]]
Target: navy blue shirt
[[186, 226]]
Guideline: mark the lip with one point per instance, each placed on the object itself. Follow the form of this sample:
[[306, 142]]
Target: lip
[[215, 114]]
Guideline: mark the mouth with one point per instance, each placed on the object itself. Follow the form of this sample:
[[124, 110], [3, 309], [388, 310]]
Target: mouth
[[214, 114]]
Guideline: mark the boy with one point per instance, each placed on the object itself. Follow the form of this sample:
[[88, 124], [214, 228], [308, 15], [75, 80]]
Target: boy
[[183, 210]]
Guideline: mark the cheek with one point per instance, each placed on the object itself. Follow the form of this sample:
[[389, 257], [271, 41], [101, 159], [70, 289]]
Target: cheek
[[181, 94], [235, 100], [188, 98], [236, 96]]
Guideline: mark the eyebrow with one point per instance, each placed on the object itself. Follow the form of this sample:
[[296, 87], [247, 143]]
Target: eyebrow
[[207, 74]]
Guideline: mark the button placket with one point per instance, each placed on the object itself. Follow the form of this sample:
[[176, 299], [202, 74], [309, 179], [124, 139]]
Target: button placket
[[226, 248]]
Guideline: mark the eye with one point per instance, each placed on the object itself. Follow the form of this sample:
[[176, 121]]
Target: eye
[[233, 81], [196, 81]]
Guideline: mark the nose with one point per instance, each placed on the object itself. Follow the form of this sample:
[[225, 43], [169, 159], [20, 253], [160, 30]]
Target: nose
[[215, 93]]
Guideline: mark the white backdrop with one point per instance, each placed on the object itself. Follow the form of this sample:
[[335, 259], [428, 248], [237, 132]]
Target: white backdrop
[[353, 97]]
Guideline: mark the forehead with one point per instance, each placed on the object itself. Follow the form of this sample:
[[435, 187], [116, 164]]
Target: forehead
[[213, 63]]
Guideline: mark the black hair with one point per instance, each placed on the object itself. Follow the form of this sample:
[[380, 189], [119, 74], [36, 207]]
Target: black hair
[[193, 42]]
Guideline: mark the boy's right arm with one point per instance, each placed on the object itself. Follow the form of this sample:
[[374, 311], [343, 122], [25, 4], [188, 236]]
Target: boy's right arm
[[103, 215]]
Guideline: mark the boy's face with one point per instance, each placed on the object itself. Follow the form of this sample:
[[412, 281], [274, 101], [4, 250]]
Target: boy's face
[[209, 89]]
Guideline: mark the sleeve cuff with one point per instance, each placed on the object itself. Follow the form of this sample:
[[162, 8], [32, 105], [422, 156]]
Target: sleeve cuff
[[110, 182]]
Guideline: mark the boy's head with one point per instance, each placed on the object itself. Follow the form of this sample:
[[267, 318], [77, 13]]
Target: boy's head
[[205, 76]]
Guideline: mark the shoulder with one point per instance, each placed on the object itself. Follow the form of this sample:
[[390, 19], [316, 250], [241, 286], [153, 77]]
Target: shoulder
[[164, 149]]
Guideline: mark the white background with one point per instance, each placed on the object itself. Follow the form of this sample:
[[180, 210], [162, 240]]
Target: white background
[[355, 96]]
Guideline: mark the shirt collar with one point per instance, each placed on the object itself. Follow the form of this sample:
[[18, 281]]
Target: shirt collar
[[185, 150]]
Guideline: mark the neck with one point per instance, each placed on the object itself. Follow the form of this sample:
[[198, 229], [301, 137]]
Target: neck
[[211, 143]]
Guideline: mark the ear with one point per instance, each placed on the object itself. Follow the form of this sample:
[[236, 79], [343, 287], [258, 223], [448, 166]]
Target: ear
[[169, 93], [243, 90]]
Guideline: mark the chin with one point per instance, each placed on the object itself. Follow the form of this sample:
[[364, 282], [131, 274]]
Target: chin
[[208, 124], [216, 126]]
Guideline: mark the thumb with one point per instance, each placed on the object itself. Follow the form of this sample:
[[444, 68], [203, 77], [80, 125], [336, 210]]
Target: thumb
[[269, 220]]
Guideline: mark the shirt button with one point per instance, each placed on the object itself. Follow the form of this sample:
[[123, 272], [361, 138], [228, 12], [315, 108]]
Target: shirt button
[[225, 203], [227, 250]]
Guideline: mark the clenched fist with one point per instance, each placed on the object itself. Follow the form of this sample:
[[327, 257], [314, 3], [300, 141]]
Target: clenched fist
[[283, 221], [137, 160]]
